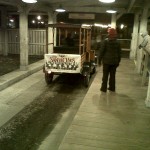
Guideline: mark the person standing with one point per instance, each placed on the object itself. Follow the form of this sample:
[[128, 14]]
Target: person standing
[[146, 37], [145, 44], [109, 56], [69, 40]]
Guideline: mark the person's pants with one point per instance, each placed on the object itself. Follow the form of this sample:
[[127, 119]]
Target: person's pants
[[109, 72]]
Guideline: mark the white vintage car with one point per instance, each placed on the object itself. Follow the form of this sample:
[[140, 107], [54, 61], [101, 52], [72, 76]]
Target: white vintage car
[[71, 52]]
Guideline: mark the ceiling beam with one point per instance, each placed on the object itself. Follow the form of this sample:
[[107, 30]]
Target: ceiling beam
[[77, 2], [7, 2], [91, 9], [130, 5]]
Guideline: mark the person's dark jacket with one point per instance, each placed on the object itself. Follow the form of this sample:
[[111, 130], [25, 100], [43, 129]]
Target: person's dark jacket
[[110, 52]]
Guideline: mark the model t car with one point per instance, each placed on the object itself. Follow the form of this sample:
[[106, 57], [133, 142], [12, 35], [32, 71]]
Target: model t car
[[69, 51]]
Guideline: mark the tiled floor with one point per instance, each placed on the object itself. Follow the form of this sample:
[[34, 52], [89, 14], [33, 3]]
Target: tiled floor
[[112, 121]]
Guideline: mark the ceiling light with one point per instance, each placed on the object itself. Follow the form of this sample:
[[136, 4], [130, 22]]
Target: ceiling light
[[122, 26], [101, 25], [29, 1], [60, 9], [107, 1], [38, 17], [86, 25], [111, 11]]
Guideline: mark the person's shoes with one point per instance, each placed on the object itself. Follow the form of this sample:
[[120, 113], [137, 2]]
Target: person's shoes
[[102, 90], [111, 90]]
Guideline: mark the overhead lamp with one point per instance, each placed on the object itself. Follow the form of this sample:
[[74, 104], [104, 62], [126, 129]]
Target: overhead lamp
[[29, 1], [111, 11], [86, 25], [107, 1], [60, 9], [122, 26], [38, 17], [101, 25]]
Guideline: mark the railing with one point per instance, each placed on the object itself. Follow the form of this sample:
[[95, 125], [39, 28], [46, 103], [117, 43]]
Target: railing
[[13, 41], [2, 41], [125, 44], [37, 41]]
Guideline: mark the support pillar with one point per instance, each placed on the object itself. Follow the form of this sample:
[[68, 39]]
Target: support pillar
[[113, 20], [147, 101], [134, 41], [51, 20], [143, 27], [23, 39]]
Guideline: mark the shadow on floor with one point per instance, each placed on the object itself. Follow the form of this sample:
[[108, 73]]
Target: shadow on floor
[[12, 62]]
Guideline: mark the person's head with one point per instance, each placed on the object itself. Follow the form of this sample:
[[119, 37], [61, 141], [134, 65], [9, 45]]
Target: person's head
[[144, 33], [112, 33]]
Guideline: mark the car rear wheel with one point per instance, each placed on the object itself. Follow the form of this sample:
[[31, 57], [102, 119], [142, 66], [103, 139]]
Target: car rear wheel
[[86, 80], [48, 78]]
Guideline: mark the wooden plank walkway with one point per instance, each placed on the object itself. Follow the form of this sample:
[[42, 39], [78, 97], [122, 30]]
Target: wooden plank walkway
[[112, 121]]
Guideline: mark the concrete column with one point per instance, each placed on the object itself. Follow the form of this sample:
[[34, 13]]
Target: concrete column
[[55, 21], [147, 101], [4, 29], [134, 40], [113, 20], [143, 27], [23, 39], [51, 20]]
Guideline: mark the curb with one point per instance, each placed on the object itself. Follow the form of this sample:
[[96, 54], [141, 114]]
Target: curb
[[17, 75]]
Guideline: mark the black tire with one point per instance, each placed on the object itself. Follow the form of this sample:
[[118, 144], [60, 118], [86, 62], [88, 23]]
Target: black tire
[[94, 70], [48, 78], [86, 80]]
